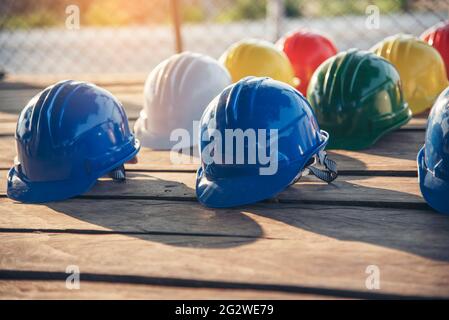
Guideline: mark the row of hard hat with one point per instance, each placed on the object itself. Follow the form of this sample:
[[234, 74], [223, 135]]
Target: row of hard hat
[[73, 133], [356, 96]]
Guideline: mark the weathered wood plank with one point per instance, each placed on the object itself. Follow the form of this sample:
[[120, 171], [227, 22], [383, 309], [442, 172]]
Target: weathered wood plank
[[92, 290], [8, 121], [312, 246], [373, 191], [259, 289], [321, 245], [415, 123], [7, 128], [8, 151], [8, 125], [404, 230], [13, 100], [396, 151], [6, 117]]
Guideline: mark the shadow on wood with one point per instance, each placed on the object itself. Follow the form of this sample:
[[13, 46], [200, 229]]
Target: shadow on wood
[[178, 223], [417, 231], [398, 145]]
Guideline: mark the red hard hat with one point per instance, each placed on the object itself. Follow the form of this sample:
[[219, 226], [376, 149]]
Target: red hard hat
[[438, 37], [306, 51]]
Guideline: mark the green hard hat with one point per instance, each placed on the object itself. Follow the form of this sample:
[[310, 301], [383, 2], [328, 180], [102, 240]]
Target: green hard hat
[[357, 97]]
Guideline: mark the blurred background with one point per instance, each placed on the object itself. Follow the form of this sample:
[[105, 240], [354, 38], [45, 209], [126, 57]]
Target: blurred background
[[132, 36]]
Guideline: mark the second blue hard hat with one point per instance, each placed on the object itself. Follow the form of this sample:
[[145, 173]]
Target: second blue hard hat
[[279, 138], [433, 158], [68, 136]]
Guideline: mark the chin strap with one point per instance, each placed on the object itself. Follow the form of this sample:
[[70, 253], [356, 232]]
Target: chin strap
[[329, 174], [118, 174]]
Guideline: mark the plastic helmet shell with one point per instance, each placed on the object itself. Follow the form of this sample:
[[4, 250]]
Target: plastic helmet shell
[[68, 136], [433, 158], [357, 98], [175, 95], [253, 57], [306, 50], [256, 103], [438, 37], [420, 66]]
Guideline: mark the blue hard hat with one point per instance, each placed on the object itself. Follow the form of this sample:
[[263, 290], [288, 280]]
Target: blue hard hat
[[281, 112], [68, 136], [433, 158]]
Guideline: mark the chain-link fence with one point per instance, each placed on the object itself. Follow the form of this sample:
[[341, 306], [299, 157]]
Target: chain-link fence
[[122, 36]]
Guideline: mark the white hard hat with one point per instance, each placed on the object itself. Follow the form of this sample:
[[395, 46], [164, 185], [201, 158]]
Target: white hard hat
[[176, 93]]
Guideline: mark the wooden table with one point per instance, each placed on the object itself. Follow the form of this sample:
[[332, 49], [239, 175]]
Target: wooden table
[[149, 237]]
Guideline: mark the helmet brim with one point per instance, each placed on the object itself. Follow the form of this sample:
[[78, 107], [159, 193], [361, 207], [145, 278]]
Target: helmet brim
[[242, 190], [380, 127], [21, 189], [434, 190], [225, 193], [157, 141]]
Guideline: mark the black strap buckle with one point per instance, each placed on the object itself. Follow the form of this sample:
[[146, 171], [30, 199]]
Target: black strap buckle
[[329, 174], [118, 174]]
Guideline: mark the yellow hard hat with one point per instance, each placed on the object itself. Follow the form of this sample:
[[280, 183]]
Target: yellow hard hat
[[420, 67], [253, 57]]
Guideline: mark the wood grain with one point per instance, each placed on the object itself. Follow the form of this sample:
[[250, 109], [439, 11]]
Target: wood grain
[[399, 192], [312, 246], [13, 100], [93, 290], [150, 238], [395, 152]]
